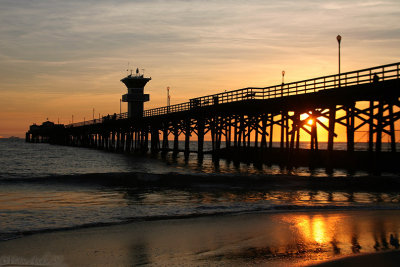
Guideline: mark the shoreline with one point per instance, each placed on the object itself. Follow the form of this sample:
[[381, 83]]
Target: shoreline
[[160, 218], [279, 239]]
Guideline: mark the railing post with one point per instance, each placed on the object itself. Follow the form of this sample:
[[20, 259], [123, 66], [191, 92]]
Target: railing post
[[370, 75]]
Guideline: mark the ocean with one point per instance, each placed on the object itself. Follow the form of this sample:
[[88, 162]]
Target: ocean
[[50, 188]]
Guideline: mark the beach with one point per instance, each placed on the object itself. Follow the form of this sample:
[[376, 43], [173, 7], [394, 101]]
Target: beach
[[251, 239], [104, 209]]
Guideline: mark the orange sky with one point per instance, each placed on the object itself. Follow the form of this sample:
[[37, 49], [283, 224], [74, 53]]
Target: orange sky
[[63, 58]]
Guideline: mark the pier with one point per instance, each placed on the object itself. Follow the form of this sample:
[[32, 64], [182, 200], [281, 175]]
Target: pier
[[243, 124]]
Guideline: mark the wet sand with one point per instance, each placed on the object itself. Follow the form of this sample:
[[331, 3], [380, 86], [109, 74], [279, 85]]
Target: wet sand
[[266, 239], [387, 259]]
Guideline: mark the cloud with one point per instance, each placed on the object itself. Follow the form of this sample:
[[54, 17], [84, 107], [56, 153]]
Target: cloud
[[81, 48]]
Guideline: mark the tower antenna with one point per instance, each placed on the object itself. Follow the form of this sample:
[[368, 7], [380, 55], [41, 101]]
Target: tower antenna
[[127, 70]]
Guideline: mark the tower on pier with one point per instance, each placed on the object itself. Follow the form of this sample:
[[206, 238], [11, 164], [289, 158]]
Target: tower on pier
[[135, 96]]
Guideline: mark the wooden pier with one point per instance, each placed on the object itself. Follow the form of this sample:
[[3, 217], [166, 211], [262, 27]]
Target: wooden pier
[[251, 119]]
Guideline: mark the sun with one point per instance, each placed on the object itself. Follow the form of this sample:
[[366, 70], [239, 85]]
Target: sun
[[310, 122]]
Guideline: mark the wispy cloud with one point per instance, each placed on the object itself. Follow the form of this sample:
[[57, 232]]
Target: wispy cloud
[[82, 47]]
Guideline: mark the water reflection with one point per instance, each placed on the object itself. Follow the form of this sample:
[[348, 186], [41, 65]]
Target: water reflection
[[307, 238], [267, 199], [342, 233], [209, 164]]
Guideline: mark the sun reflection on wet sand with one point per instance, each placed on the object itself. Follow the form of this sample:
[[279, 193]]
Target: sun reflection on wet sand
[[344, 233], [305, 238], [316, 229]]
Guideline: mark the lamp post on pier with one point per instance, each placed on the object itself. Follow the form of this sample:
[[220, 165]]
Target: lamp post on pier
[[339, 39], [168, 99]]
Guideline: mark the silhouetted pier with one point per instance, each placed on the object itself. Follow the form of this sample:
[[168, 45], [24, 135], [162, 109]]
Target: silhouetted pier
[[244, 123]]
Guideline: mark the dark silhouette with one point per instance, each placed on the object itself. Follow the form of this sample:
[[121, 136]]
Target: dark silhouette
[[377, 245], [245, 131], [394, 241], [376, 78], [135, 96], [355, 246], [385, 244], [336, 249]]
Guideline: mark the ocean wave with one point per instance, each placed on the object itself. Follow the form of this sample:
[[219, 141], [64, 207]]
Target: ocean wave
[[63, 202], [202, 180], [204, 211]]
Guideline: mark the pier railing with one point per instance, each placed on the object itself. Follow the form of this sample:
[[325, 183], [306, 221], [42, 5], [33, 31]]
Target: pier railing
[[114, 116], [364, 76]]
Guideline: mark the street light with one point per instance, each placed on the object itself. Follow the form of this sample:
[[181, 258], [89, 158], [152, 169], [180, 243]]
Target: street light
[[283, 77], [168, 97], [339, 39]]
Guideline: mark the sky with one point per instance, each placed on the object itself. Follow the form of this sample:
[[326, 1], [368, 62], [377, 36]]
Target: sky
[[62, 58]]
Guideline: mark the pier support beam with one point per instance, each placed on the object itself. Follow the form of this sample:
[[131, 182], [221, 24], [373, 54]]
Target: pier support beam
[[187, 137], [371, 127], [165, 143], [331, 128], [271, 130], [155, 139], [350, 127], [200, 136], [176, 140], [392, 129], [379, 129]]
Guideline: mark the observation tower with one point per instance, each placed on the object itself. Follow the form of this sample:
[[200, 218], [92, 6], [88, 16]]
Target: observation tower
[[135, 96]]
